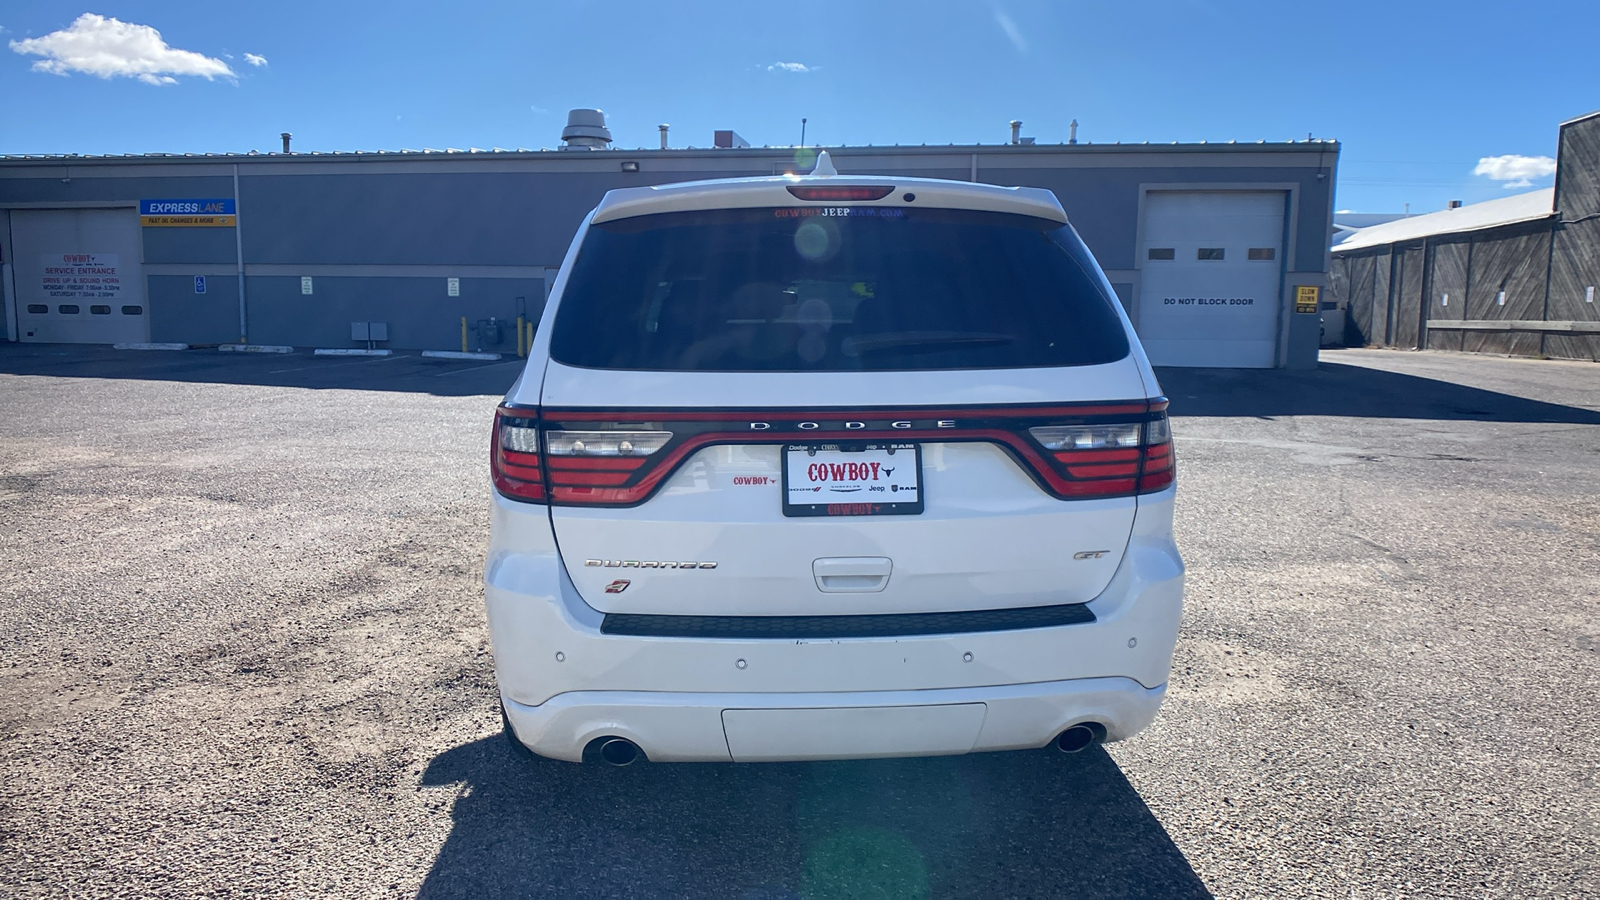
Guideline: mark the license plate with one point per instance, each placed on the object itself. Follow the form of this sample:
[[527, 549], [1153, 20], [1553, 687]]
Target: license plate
[[852, 479]]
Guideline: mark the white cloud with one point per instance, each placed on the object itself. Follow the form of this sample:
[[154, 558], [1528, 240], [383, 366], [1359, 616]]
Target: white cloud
[[108, 48], [1011, 30], [790, 67], [255, 59], [1515, 171], [539, 111]]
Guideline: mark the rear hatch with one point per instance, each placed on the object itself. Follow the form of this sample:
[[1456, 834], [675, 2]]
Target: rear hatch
[[840, 410]]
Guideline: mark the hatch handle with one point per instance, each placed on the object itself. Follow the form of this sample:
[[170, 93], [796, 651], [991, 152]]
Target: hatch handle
[[852, 574]]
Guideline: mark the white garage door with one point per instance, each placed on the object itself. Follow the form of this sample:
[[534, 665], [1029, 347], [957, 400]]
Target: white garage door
[[1211, 286], [78, 276]]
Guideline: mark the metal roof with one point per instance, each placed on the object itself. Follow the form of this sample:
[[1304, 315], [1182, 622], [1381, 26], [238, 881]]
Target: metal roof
[[1312, 146], [1527, 207]]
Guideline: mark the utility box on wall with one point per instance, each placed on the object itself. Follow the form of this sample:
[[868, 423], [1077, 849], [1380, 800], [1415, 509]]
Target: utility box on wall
[[369, 331]]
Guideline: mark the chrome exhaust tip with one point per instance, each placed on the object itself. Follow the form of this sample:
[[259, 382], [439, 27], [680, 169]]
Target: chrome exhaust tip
[[1078, 737], [619, 751]]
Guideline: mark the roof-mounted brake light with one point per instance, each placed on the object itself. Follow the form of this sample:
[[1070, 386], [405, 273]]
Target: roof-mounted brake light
[[842, 192]]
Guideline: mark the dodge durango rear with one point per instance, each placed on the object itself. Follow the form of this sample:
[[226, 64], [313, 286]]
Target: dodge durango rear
[[830, 467]]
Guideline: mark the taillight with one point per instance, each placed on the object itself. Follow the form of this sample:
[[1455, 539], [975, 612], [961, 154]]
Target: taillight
[[1160, 467], [621, 457], [1109, 459], [842, 191], [514, 454], [588, 459]]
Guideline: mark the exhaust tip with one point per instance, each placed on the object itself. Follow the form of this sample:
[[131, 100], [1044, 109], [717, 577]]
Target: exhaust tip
[[1079, 737], [619, 751]]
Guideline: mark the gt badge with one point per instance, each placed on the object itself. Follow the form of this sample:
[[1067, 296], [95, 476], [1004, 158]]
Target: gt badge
[[1090, 554], [618, 586]]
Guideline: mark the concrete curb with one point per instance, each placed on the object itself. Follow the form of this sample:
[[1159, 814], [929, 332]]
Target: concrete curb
[[457, 354], [254, 348], [148, 346], [344, 351]]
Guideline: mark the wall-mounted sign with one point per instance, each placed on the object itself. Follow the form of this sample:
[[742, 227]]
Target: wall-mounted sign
[[81, 276], [199, 284], [305, 284], [1305, 298], [452, 287], [218, 213]]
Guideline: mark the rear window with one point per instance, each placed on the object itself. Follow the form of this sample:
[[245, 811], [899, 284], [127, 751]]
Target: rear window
[[828, 289]]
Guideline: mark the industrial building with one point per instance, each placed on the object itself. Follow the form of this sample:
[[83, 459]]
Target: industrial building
[[1516, 275], [1219, 252]]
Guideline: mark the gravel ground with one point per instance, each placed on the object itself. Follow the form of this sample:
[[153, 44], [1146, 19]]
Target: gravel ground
[[242, 653]]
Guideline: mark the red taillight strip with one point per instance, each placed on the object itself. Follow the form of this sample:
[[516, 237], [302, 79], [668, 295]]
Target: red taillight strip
[[601, 481], [852, 415], [627, 463]]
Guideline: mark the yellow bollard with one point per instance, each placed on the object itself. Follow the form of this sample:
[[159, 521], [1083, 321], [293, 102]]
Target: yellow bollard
[[463, 334], [519, 336]]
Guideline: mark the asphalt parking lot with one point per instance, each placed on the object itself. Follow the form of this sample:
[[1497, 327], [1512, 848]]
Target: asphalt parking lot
[[242, 653]]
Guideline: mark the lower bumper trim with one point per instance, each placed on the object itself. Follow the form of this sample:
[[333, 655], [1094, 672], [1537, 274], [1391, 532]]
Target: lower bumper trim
[[828, 627]]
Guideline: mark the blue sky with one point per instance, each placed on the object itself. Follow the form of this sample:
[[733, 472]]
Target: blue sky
[[1418, 92]]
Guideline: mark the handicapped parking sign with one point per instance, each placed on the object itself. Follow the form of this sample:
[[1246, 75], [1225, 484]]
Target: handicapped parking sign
[[199, 284]]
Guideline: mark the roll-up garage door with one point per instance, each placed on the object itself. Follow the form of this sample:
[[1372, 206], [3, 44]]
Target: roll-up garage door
[[1211, 282], [78, 276]]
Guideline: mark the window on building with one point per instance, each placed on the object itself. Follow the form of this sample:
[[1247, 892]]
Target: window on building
[[1162, 253], [1208, 253], [68, 309], [1263, 252], [99, 310], [38, 309], [133, 310]]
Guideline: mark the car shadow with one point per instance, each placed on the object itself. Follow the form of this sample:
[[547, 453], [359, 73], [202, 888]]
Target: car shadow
[[987, 825], [405, 371], [1342, 389]]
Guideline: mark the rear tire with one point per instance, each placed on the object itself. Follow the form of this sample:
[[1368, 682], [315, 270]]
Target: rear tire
[[518, 748]]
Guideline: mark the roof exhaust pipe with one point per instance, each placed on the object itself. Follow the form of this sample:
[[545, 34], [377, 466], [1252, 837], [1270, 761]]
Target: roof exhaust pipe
[[1016, 131], [619, 751], [663, 136], [286, 136], [1080, 736], [1072, 136]]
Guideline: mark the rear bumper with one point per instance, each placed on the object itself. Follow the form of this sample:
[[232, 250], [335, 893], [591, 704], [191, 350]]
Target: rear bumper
[[705, 727], [565, 683]]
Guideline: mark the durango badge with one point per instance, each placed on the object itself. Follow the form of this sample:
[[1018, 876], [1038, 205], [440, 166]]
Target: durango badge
[[648, 564]]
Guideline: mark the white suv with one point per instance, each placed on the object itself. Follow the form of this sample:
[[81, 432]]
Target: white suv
[[829, 467]]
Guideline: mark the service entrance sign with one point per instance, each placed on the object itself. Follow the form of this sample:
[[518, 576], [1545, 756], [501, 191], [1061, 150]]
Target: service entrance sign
[[81, 276]]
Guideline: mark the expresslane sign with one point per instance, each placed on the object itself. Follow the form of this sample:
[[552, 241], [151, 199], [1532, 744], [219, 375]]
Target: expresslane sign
[[188, 213]]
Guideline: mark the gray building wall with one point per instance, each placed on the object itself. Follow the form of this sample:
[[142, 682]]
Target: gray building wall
[[380, 233]]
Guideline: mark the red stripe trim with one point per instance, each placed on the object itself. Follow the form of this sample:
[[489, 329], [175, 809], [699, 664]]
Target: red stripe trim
[[628, 463], [1112, 471], [593, 479], [1098, 456]]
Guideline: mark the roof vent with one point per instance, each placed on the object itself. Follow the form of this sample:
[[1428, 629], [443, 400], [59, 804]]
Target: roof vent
[[586, 130], [1455, 204], [728, 140]]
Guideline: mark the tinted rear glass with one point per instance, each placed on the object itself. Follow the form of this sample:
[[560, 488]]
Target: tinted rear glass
[[822, 289]]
